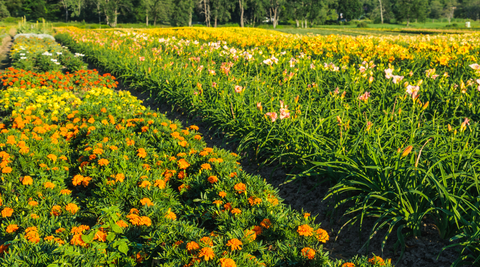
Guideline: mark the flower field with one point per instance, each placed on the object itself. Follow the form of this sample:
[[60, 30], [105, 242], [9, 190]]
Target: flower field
[[90, 177], [391, 122]]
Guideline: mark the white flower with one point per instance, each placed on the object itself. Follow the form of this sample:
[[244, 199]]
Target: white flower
[[23, 58]]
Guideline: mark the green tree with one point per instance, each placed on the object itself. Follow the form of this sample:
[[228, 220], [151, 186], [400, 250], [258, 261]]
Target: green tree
[[3, 10], [351, 9], [182, 12], [436, 9], [220, 10], [408, 10]]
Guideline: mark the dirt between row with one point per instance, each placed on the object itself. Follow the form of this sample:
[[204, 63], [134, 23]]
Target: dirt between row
[[306, 195]]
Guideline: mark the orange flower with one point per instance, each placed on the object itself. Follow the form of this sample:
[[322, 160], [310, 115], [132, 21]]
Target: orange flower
[[305, 230], [144, 220], [122, 223], [212, 179], [146, 201], [56, 210], [3, 248], [7, 170], [266, 223], [7, 212], [12, 228], [376, 260], [254, 200], [49, 185], [193, 127], [170, 215], [234, 244], [72, 208], [77, 179], [181, 175], [52, 157], [34, 216], [222, 194], [236, 211], [77, 241], [141, 153], [228, 206], [160, 183], [250, 235], [27, 180], [192, 246], [225, 262], [240, 188], [32, 235], [65, 192], [207, 253], [103, 162], [306, 215], [308, 253], [100, 236], [119, 177], [33, 203], [144, 184], [258, 230], [348, 264], [206, 166], [321, 235], [183, 164], [59, 230]]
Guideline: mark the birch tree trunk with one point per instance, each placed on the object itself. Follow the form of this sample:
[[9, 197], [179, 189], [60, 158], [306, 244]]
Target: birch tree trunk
[[381, 10], [241, 13]]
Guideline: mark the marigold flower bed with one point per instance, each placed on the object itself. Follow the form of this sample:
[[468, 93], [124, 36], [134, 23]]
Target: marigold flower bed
[[94, 178]]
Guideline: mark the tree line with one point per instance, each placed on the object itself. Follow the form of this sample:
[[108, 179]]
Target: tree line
[[303, 13]]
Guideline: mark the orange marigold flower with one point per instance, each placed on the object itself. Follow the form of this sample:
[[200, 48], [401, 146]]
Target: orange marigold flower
[[321, 235], [197, 137], [240, 188], [376, 260], [7, 170], [122, 223], [207, 253], [206, 166], [32, 236], [212, 179], [12, 228], [173, 127], [59, 230], [192, 246], [56, 210], [258, 230], [219, 202], [234, 244], [250, 234], [181, 175], [72, 208], [49, 185], [119, 177], [3, 248], [141, 153], [146, 201], [236, 211], [193, 127], [160, 183], [308, 253], [32, 203], [306, 215], [27, 180], [100, 236], [65, 192], [170, 215], [52, 157], [305, 230], [103, 162], [77, 241], [7, 212], [233, 174], [266, 223], [144, 220], [254, 200], [225, 262], [79, 229], [34, 216], [228, 206], [348, 264], [77, 179], [183, 164], [48, 238], [144, 184]]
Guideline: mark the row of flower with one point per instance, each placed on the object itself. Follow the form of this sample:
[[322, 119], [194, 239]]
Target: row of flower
[[414, 123], [426, 51], [32, 53], [92, 177]]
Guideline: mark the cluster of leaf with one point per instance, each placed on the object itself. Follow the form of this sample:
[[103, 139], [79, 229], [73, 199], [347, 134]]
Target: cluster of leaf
[[93, 178], [79, 80], [351, 118], [32, 53]]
